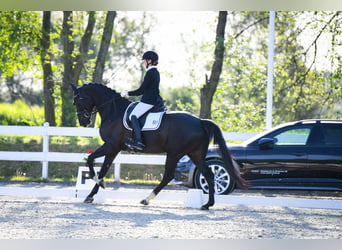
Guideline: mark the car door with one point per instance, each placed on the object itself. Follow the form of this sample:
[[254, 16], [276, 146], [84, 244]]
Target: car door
[[280, 156], [325, 155]]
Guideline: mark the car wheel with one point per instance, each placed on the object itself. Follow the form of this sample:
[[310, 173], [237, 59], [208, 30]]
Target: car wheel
[[223, 182]]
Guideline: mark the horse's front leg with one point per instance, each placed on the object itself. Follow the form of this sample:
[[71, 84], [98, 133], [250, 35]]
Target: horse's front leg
[[99, 179], [105, 149], [110, 154], [91, 158]]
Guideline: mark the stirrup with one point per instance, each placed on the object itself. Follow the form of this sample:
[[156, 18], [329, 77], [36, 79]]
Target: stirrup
[[129, 142], [137, 145]]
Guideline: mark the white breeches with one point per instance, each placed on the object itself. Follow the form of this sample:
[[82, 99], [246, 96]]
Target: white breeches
[[140, 109]]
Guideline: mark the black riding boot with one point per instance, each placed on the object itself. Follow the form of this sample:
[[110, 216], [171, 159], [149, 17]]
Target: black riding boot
[[137, 143]]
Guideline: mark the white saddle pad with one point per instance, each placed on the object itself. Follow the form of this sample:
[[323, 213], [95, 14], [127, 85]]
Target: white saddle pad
[[153, 121]]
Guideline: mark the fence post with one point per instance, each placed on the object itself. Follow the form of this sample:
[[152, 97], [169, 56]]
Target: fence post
[[45, 166]]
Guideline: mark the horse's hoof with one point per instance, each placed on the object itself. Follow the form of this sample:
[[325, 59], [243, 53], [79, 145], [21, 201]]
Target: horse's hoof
[[89, 200], [204, 207], [144, 202]]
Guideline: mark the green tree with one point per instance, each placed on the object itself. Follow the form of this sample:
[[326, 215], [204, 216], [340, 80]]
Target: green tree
[[48, 81], [19, 38], [326, 26], [209, 88], [239, 102], [80, 42], [300, 90], [104, 47], [74, 64], [181, 99], [68, 116], [102, 54]]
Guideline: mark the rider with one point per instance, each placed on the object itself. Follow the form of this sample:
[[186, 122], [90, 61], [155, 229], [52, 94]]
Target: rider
[[149, 90]]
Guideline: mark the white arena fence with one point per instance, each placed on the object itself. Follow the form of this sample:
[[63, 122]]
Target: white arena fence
[[45, 156]]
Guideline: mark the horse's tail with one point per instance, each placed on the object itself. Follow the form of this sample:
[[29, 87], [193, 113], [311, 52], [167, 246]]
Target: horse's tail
[[215, 133]]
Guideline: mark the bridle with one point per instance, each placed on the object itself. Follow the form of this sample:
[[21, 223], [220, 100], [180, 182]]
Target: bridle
[[86, 113]]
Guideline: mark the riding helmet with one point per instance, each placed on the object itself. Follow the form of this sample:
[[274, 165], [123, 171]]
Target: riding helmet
[[151, 55]]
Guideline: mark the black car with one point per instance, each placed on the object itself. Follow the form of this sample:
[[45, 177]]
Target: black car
[[305, 154]]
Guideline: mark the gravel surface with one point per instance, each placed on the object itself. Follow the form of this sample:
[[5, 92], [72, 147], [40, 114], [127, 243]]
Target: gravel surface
[[63, 218]]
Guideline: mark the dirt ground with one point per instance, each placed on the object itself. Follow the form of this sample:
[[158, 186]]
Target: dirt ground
[[69, 218]]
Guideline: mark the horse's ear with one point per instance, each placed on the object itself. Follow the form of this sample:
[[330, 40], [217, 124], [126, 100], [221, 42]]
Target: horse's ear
[[74, 88]]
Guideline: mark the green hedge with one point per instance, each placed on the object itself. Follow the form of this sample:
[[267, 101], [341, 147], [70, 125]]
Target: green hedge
[[20, 113]]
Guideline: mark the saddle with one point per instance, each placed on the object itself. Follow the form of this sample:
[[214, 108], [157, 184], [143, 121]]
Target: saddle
[[151, 120]]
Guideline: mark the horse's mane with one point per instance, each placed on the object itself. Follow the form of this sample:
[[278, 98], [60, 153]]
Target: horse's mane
[[106, 90]]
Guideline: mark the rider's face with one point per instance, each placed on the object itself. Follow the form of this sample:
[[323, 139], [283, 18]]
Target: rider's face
[[147, 63]]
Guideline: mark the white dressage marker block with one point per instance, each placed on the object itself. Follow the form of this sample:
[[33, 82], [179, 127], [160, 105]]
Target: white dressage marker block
[[83, 180], [193, 198]]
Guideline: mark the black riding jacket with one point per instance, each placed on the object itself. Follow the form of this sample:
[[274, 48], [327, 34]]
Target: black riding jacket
[[149, 88]]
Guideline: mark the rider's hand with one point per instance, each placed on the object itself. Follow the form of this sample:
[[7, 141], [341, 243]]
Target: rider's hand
[[124, 94]]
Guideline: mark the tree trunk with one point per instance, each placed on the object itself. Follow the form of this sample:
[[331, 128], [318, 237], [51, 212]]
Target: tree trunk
[[101, 56], [48, 82], [84, 47], [68, 112], [105, 42], [209, 88]]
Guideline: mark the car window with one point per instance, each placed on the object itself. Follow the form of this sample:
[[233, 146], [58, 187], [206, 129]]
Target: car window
[[332, 135], [296, 136]]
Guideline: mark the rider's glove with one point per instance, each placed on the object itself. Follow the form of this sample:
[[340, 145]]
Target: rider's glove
[[124, 94]]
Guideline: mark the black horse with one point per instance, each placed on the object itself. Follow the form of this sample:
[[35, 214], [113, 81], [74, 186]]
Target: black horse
[[179, 134]]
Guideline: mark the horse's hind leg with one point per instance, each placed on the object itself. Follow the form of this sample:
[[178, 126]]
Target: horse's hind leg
[[170, 166], [209, 177]]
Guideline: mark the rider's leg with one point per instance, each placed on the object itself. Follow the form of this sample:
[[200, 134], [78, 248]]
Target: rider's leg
[[137, 112], [138, 144], [140, 109]]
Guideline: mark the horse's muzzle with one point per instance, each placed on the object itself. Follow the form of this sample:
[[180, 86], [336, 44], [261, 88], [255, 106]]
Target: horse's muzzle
[[84, 121]]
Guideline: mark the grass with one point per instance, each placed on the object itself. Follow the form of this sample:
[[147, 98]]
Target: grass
[[20, 113]]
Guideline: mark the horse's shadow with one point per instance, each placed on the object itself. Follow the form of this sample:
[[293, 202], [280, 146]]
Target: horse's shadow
[[142, 216]]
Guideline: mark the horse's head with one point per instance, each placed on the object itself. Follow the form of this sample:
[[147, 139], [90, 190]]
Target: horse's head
[[84, 105]]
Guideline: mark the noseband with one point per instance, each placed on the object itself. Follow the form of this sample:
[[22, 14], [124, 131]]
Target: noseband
[[86, 113]]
